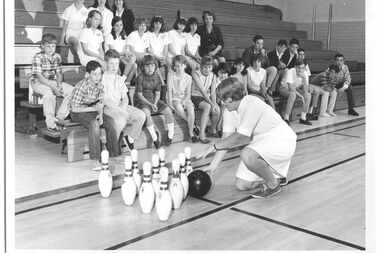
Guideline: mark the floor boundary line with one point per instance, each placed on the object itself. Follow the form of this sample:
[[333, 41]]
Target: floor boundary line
[[347, 135]]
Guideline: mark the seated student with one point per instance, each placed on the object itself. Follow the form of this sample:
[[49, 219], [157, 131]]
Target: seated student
[[74, 20], [222, 71], [289, 57], [296, 84], [117, 40], [120, 9], [147, 98], [87, 106], [239, 71], [47, 81], [104, 9], [274, 60], [176, 39], [126, 118], [91, 39], [204, 97], [138, 40], [344, 83], [257, 48], [324, 83], [179, 93], [193, 41], [257, 80]]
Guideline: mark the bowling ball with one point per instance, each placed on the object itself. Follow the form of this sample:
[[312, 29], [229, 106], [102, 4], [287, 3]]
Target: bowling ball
[[199, 183]]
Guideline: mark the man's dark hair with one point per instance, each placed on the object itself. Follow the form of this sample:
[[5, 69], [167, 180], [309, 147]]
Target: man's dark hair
[[257, 37], [294, 41], [282, 43], [92, 66], [301, 50], [338, 55], [111, 53]]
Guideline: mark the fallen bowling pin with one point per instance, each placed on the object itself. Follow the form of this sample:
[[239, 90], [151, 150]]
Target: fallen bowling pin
[[146, 193], [136, 170], [128, 188], [164, 199], [183, 174], [176, 188], [105, 176]]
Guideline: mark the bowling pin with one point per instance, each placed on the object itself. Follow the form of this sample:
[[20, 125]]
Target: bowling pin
[[176, 188], [105, 177], [161, 154], [146, 194], [189, 168], [128, 188], [164, 199], [136, 170], [183, 174], [156, 173]]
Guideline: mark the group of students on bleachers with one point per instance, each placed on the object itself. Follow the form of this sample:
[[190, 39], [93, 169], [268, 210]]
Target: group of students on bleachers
[[171, 73]]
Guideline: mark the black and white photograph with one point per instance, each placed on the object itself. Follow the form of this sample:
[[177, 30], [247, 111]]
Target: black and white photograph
[[190, 125]]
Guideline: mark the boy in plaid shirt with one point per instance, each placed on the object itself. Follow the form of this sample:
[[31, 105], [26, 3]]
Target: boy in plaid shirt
[[47, 81], [87, 105]]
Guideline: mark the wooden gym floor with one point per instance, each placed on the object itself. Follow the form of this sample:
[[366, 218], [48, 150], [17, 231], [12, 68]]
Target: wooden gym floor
[[322, 207]]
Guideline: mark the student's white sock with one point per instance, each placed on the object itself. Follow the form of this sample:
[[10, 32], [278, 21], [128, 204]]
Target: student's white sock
[[303, 115], [152, 132], [170, 130], [130, 139], [286, 116]]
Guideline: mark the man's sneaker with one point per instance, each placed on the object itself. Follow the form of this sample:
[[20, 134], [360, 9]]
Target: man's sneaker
[[353, 112], [305, 122], [311, 116], [267, 192]]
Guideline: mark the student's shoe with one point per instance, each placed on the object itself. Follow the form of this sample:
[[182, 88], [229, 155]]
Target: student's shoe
[[196, 130], [204, 141], [169, 141], [266, 192], [305, 122], [311, 116], [352, 112], [194, 139], [332, 114], [325, 115], [283, 181], [130, 145]]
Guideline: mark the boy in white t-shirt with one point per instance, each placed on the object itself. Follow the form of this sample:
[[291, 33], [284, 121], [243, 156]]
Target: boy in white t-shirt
[[74, 20], [295, 83], [126, 118]]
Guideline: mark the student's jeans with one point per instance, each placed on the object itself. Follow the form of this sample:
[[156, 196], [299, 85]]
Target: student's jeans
[[49, 102], [290, 94], [89, 121], [350, 98]]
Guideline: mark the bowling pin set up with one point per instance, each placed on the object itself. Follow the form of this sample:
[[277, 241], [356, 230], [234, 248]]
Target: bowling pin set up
[[153, 186]]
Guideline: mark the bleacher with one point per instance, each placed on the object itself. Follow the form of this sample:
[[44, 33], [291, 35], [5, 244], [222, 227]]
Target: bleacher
[[238, 22]]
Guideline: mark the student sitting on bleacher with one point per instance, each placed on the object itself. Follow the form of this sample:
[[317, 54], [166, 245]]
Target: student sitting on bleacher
[[256, 83], [239, 71], [87, 106], [325, 81], [176, 39], [47, 81], [211, 38], [120, 9], [74, 20], [138, 40], [344, 83], [274, 58], [222, 71], [257, 48], [289, 57], [203, 96], [117, 40], [147, 98], [179, 93], [91, 39], [293, 84], [105, 10], [193, 41], [127, 119]]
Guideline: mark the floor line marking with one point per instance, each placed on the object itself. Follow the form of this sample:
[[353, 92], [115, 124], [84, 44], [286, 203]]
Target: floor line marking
[[347, 135]]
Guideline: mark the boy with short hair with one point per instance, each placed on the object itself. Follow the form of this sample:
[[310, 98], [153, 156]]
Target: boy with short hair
[[344, 83], [276, 65], [126, 118], [296, 84], [290, 55], [87, 105], [47, 81]]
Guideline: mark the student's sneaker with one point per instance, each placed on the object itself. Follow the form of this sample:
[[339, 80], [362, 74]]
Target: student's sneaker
[[194, 139], [283, 181], [311, 116], [332, 114], [305, 122], [266, 192], [169, 141], [325, 115], [130, 145], [352, 112]]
